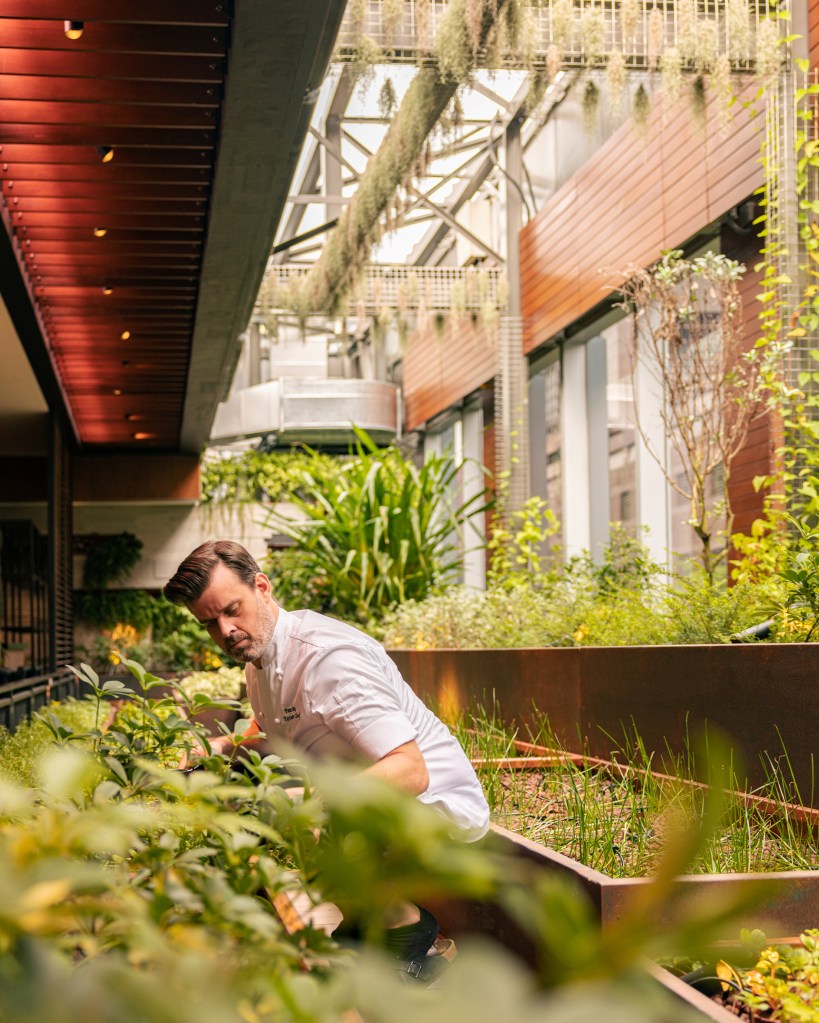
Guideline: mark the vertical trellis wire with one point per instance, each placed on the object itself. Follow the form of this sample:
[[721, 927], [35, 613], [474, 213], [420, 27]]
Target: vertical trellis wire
[[792, 113], [512, 413]]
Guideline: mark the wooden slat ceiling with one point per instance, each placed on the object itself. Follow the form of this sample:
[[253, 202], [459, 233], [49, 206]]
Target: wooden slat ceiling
[[113, 252]]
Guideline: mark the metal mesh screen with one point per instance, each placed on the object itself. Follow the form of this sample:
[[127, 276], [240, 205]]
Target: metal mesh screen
[[791, 124], [511, 412]]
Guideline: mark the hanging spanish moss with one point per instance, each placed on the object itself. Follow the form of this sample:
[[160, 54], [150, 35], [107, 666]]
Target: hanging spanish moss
[[423, 24], [350, 245], [738, 16], [393, 18], [538, 83], [671, 75], [357, 13], [563, 24], [630, 11], [686, 40], [656, 36], [768, 50], [591, 107], [367, 55], [592, 33], [699, 102], [387, 99], [616, 73], [474, 20], [722, 88], [707, 44], [554, 61], [641, 111], [453, 47], [515, 27]]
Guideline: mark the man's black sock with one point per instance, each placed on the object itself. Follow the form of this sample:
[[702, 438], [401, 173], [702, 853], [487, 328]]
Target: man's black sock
[[413, 939]]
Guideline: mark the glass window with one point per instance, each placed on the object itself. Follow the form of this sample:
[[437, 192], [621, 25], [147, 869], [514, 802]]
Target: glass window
[[622, 430], [554, 483]]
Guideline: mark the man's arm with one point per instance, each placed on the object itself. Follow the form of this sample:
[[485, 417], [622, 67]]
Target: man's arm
[[403, 767]]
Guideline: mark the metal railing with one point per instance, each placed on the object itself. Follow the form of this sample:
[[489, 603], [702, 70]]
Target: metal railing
[[400, 288], [639, 29], [20, 698]]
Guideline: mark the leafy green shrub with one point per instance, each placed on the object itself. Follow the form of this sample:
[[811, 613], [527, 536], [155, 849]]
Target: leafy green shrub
[[109, 559], [265, 476], [294, 582], [519, 551], [104, 609], [703, 611], [129, 892], [782, 982], [798, 614], [223, 682], [21, 749], [533, 600], [616, 602], [378, 531], [137, 626]]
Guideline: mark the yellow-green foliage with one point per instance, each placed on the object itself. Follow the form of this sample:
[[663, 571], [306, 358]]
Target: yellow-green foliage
[[21, 749]]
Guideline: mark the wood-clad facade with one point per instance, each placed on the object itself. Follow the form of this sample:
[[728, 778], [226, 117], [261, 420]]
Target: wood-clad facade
[[631, 201], [682, 185], [443, 365]]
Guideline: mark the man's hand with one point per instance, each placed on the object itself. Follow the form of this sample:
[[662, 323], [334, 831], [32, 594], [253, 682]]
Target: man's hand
[[221, 744], [197, 752]]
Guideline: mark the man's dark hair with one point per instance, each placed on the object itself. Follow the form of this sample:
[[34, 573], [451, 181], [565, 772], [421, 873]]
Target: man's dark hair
[[191, 579]]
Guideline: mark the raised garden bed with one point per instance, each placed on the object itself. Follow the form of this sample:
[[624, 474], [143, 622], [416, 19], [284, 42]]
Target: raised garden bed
[[786, 902], [782, 904], [764, 697]]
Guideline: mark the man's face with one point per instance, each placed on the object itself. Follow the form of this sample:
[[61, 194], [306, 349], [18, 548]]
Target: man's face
[[240, 618]]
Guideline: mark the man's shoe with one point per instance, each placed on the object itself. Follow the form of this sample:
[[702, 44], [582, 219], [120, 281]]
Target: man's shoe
[[429, 967]]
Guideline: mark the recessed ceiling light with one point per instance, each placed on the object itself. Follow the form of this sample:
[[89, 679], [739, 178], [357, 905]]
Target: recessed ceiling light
[[144, 436], [73, 29], [107, 289], [105, 153], [125, 335], [117, 391], [100, 232]]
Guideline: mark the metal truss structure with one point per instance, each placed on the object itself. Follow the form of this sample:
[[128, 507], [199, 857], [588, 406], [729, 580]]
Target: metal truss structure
[[478, 155], [481, 154], [623, 26]]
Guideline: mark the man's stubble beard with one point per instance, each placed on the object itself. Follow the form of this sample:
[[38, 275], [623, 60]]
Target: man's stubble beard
[[265, 624]]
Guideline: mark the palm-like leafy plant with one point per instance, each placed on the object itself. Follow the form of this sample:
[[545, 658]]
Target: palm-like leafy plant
[[381, 530]]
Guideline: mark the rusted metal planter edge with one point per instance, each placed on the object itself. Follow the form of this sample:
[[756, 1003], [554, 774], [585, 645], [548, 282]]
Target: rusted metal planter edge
[[595, 697], [785, 903]]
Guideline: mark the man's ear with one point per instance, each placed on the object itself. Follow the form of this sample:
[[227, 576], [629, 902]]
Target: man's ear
[[262, 584]]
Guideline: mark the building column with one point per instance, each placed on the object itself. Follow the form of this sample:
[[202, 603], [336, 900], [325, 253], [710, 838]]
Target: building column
[[511, 397], [598, 425], [574, 431], [473, 484], [652, 486]]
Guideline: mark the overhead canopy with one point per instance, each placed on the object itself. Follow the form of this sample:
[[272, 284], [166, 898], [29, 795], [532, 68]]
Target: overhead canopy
[[129, 278]]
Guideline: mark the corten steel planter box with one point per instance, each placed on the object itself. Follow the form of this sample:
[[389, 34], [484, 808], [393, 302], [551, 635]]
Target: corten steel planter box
[[783, 904], [609, 897], [764, 697]]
